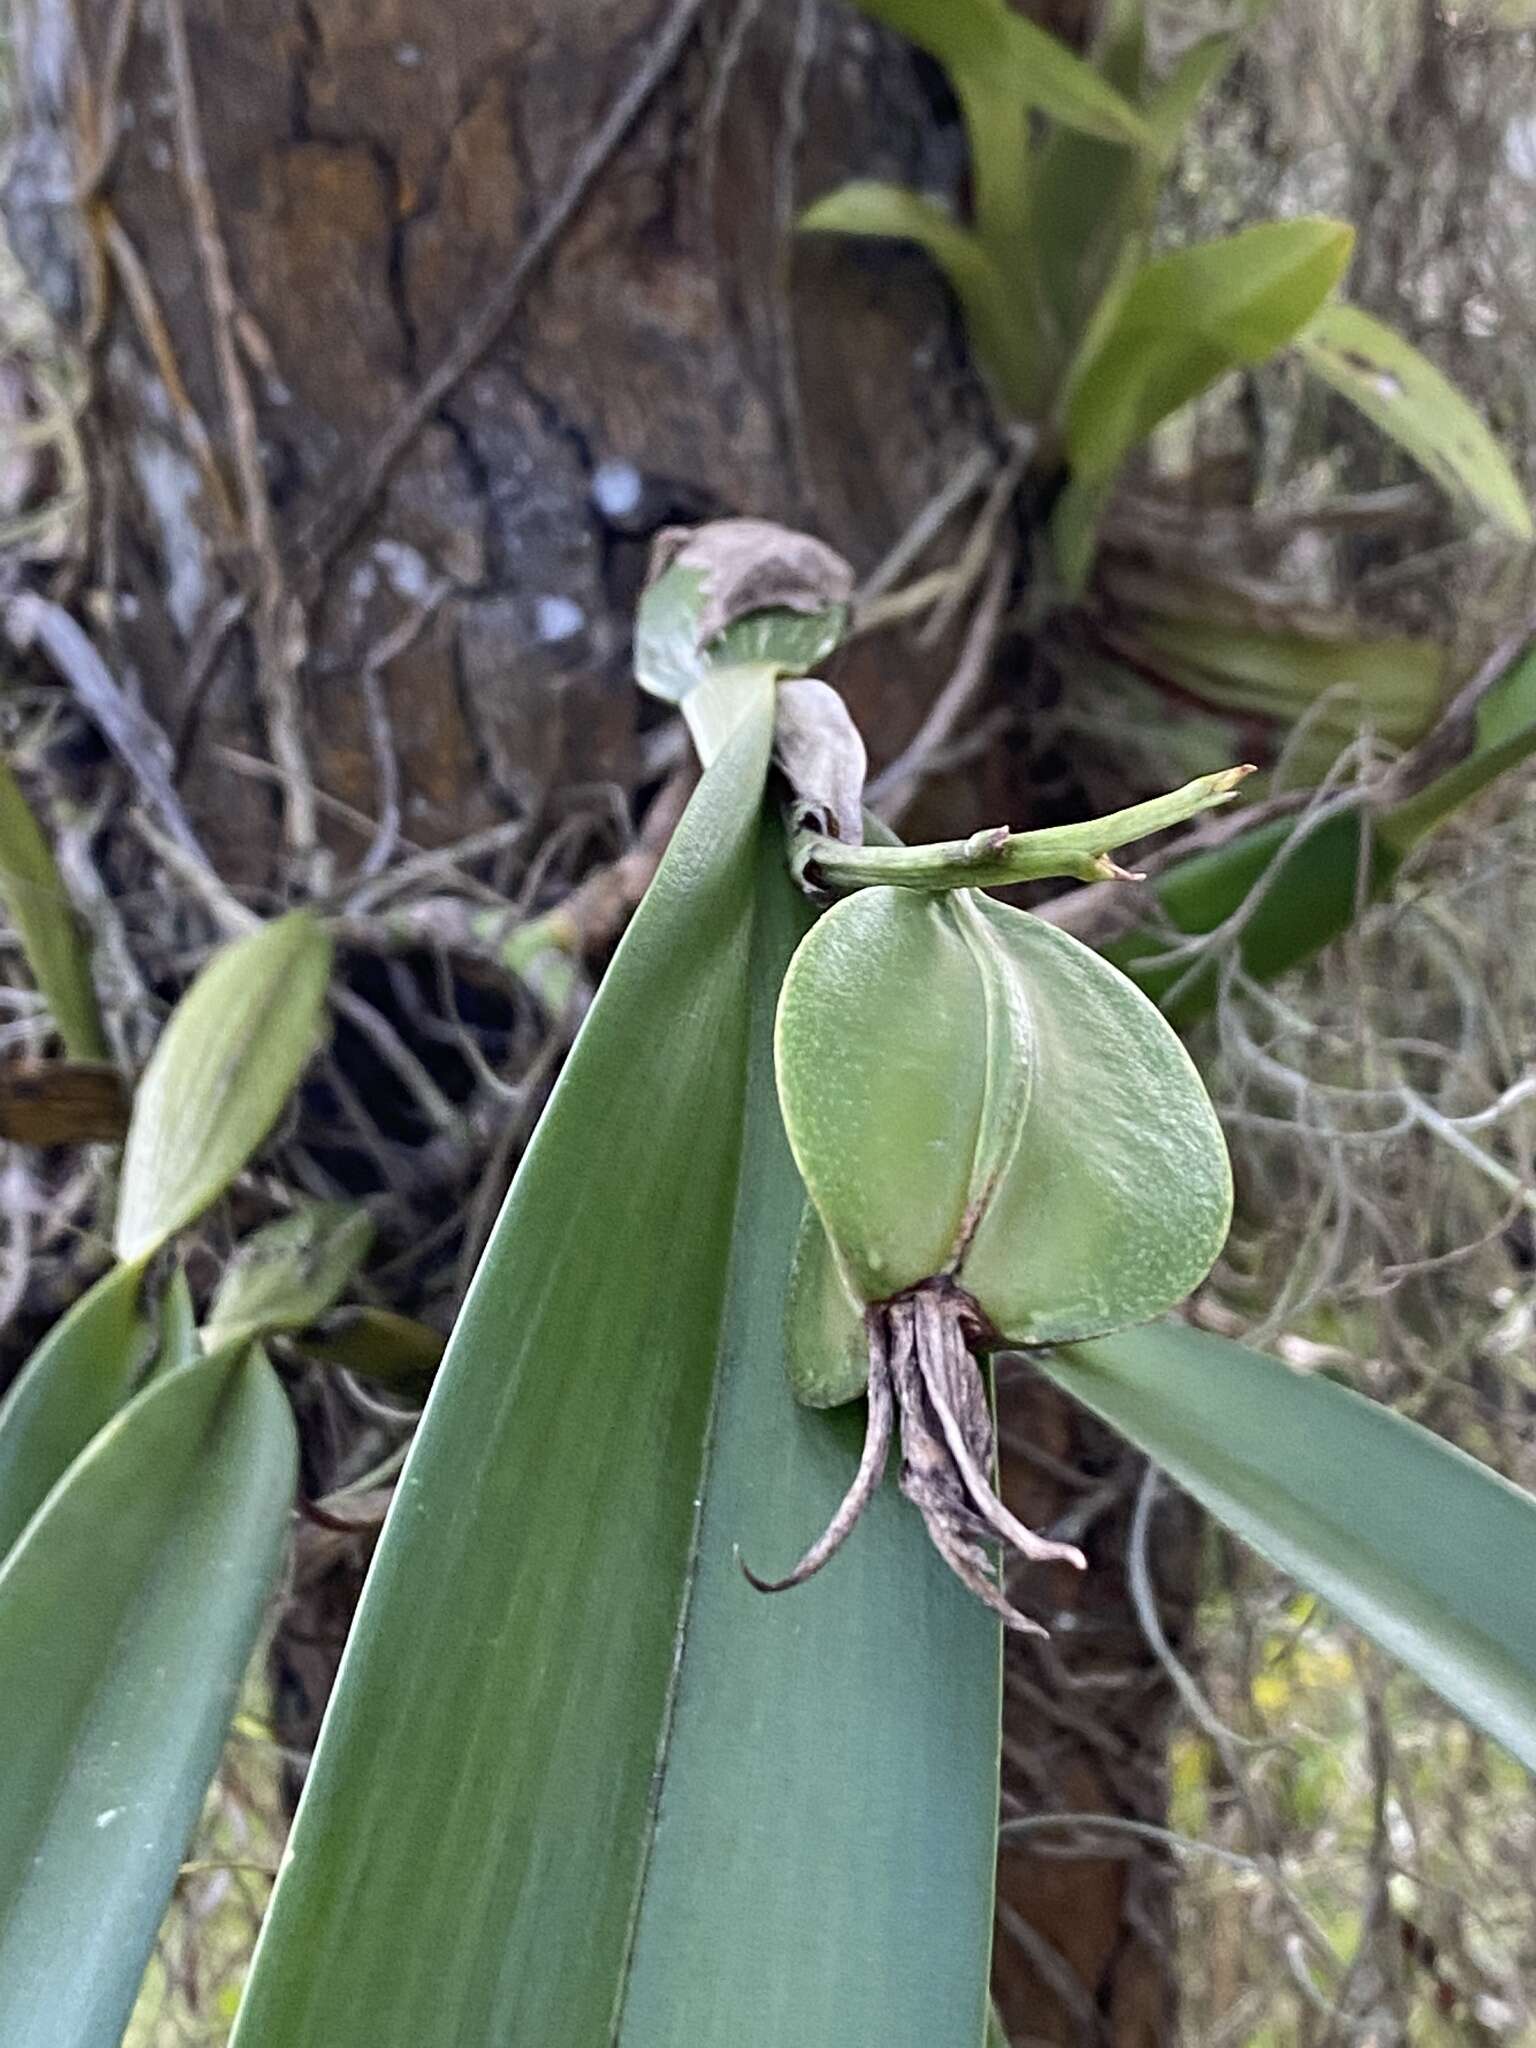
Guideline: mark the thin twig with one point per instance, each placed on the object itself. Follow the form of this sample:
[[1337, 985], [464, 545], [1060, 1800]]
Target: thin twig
[[440, 864], [277, 629], [895, 787], [227, 911], [380, 733], [139, 292], [982, 540], [107, 123], [930, 520], [126, 726]]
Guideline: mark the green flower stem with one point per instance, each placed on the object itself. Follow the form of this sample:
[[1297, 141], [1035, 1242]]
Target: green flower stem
[[995, 857]]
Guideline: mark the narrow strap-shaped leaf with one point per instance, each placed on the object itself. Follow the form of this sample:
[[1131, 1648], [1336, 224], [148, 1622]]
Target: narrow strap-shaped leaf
[[216, 1083], [822, 1869], [179, 1342], [1189, 317], [1403, 393], [466, 1859], [71, 1386], [1394, 683], [986, 41], [1430, 1552], [1503, 737], [128, 1613], [1171, 105], [32, 893], [380, 1345]]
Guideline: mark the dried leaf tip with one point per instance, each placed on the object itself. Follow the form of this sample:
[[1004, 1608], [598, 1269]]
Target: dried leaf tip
[[751, 565]]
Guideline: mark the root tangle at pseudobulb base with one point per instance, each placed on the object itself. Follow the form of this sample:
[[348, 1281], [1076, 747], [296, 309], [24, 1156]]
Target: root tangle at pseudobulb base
[[922, 1368]]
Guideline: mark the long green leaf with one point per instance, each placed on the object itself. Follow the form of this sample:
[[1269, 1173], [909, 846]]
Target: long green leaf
[[1189, 317], [1430, 1552], [225, 1064], [466, 1859], [1406, 396], [986, 42], [1092, 205], [179, 1342], [791, 1901], [1392, 682], [580, 1783], [128, 1613], [33, 895], [71, 1386]]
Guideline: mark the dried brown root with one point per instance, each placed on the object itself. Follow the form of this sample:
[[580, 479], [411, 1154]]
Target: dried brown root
[[922, 1367], [954, 1386], [877, 1439]]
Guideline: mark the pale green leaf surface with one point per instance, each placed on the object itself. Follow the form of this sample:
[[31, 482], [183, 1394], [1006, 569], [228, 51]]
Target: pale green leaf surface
[[1506, 714], [73, 1384], [1173, 102], [1503, 738], [1091, 204], [127, 1616], [1054, 80], [179, 1343], [1403, 393], [668, 660], [987, 41], [822, 1868], [960, 33], [969, 1091], [217, 1081], [1118, 1197], [1188, 318], [1075, 520], [826, 1347], [881, 1047], [792, 643], [467, 1855], [33, 895], [288, 1274], [891, 212], [1427, 1550]]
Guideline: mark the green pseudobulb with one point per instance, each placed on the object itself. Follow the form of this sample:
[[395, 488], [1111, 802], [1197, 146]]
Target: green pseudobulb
[[968, 1092]]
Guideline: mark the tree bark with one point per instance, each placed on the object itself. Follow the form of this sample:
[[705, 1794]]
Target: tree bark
[[371, 498]]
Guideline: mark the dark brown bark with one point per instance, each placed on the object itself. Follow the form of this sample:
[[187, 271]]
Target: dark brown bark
[[368, 172]]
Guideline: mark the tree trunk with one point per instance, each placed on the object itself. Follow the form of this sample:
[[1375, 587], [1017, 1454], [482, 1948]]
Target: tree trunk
[[401, 344]]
